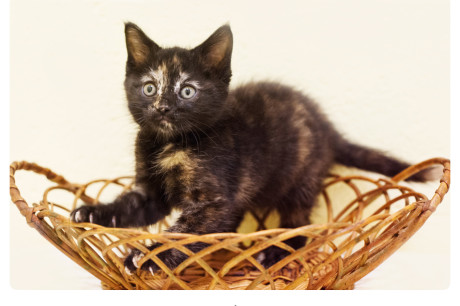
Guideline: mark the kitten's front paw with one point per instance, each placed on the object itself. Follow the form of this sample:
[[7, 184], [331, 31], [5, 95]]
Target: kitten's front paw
[[83, 214], [132, 263], [92, 214]]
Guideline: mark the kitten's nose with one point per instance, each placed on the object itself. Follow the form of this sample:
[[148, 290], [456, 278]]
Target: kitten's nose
[[162, 109]]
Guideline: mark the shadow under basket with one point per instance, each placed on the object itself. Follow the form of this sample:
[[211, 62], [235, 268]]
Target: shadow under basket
[[366, 220]]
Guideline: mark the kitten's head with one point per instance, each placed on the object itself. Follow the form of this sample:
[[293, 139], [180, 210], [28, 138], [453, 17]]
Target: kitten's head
[[172, 91]]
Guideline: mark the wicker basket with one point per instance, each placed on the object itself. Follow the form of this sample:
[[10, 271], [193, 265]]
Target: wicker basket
[[367, 220]]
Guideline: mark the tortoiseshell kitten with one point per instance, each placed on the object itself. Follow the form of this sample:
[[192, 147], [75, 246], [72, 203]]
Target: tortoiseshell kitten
[[213, 153]]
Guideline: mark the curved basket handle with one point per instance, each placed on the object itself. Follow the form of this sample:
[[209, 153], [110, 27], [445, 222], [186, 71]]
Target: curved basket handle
[[26, 210], [42, 227], [444, 180]]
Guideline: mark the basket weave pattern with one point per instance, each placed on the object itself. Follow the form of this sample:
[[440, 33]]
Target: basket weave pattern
[[359, 235]]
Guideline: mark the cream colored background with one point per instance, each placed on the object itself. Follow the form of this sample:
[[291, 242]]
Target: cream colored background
[[380, 69]]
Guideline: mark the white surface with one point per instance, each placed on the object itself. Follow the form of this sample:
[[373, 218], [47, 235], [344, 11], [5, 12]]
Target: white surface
[[380, 69]]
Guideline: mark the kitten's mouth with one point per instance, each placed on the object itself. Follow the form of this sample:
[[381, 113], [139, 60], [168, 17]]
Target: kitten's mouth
[[160, 122], [164, 119], [165, 122]]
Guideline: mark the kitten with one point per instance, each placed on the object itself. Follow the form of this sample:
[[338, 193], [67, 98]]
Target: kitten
[[214, 153]]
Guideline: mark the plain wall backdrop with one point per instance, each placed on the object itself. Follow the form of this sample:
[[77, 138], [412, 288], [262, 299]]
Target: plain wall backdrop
[[379, 69]]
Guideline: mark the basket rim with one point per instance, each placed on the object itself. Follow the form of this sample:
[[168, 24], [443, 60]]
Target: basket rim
[[29, 211], [34, 219]]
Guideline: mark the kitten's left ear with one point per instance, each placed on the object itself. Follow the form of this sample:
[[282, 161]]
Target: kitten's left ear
[[216, 51]]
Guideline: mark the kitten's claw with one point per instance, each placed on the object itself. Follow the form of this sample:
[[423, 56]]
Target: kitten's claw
[[84, 214], [132, 262], [136, 259], [128, 271], [77, 216]]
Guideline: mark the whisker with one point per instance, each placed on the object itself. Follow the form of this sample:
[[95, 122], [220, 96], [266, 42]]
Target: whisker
[[202, 131]]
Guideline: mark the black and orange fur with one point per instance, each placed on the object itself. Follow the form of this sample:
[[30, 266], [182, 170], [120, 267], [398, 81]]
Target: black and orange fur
[[223, 151]]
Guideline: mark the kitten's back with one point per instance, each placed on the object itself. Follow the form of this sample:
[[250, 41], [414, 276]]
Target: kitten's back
[[280, 136]]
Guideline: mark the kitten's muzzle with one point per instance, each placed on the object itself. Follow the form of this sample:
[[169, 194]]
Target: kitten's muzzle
[[160, 116], [159, 113], [162, 109]]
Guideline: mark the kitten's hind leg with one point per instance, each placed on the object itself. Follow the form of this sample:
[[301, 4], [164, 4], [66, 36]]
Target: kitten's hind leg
[[273, 254], [295, 213]]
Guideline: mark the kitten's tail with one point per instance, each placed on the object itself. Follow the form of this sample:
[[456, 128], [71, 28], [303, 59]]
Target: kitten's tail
[[349, 154]]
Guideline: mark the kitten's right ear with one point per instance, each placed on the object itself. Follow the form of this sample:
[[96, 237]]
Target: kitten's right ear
[[139, 46]]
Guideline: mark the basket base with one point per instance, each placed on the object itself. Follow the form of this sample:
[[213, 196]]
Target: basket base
[[245, 275]]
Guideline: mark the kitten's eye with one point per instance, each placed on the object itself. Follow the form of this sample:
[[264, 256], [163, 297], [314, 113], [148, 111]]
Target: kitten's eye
[[149, 89], [187, 92]]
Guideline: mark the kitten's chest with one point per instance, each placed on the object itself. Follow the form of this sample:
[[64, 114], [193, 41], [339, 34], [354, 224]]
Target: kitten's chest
[[177, 169]]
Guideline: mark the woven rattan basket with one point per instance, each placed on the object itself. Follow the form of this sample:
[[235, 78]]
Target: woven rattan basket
[[367, 220]]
